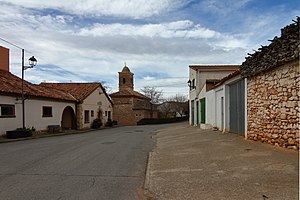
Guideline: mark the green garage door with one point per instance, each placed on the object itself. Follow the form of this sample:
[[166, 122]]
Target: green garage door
[[202, 111]]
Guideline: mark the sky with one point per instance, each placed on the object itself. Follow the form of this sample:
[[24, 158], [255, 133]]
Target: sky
[[91, 40]]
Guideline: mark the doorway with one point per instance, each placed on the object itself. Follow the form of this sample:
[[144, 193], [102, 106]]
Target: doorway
[[68, 118]]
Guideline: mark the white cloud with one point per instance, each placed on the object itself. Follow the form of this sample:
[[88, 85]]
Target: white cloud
[[222, 7], [97, 52], [181, 29], [149, 78], [119, 8]]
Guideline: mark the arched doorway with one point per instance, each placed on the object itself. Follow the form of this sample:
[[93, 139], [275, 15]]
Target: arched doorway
[[68, 118]]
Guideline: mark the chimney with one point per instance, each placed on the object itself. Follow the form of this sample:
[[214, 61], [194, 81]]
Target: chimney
[[4, 58]]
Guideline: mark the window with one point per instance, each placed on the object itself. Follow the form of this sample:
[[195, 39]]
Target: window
[[124, 80], [193, 84], [7, 110], [105, 113], [47, 111], [86, 116], [92, 113]]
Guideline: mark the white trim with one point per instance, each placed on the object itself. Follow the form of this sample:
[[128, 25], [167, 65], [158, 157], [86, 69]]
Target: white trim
[[246, 109]]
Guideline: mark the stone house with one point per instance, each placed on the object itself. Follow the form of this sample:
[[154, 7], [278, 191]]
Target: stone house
[[273, 90], [201, 79], [130, 106], [43, 106], [92, 101]]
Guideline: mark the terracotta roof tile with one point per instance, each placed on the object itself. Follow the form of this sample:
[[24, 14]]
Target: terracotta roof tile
[[11, 84], [80, 91], [128, 93]]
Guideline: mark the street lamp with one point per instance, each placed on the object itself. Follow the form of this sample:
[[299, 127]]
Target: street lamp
[[189, 84], [32, 63]]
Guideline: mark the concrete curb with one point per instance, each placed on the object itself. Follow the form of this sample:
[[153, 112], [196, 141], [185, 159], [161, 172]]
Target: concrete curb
[[148, 169], [6, 140]]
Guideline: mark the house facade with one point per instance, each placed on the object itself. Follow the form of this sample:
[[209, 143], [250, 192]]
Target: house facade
[[68, 105], [43, 106], [273, 90], [201, 79], [92, 102], [130, 106]]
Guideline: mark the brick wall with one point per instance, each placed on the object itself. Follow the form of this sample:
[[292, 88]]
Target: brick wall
[[273, 106], [4, 58], [128, 112]]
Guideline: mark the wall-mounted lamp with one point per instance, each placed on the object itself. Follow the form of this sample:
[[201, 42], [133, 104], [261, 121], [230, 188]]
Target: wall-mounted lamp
[[32, 63]]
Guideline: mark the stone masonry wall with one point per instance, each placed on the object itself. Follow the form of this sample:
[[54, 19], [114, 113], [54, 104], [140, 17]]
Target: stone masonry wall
[[273, 106], [79, 113]]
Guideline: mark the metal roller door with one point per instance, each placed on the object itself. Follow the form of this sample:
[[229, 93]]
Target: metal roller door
[[237, 107]]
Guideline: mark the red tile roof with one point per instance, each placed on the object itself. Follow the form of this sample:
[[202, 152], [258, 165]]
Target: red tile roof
[[11, 85], [128, 93], [79, 90]]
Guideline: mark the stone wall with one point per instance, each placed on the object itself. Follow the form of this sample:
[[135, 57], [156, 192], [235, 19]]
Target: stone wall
[[129, 110], [273, 106], [79, 116]]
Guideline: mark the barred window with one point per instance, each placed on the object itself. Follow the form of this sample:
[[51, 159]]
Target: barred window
[[7, 110], [47, 111]]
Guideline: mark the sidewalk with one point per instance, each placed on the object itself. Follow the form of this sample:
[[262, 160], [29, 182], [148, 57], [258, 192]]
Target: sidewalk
[[189, 163]]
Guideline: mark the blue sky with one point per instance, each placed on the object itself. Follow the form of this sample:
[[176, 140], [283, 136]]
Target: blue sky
[[84, 41]]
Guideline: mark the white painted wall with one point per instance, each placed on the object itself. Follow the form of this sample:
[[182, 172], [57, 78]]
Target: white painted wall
[[33, 114], [210, 108], [96, 101], [192, 95], [219, 94], [200, 91]]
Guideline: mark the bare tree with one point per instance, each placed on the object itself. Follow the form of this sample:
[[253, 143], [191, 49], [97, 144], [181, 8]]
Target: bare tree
[[174, 106], [107, 88], [153, 93], [178, 98], [166, 109]]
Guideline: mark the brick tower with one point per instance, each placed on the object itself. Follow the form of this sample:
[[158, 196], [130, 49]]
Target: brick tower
[[125, 79]]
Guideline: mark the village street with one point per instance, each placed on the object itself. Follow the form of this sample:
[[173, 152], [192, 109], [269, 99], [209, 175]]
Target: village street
[[194, 164], [104, 164], [185, 162]]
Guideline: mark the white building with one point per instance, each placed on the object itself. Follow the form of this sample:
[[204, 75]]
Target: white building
[[68, 105], [201, 79], [92, 101], [226, 105], [43, 106]]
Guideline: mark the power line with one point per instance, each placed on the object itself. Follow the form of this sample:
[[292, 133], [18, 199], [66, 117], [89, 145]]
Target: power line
[[11, 43]]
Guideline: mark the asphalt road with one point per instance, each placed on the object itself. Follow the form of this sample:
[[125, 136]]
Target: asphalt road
[[104, 164]]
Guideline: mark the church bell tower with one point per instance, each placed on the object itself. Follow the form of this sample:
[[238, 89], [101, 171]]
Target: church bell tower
[[125, 79]]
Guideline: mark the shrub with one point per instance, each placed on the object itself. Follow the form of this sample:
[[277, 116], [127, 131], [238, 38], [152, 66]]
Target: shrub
[[109, 123], [19, 133], [161, 120], [97, 123]]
